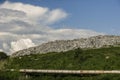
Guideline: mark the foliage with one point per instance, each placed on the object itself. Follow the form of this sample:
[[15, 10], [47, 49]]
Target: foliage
[[78, 59], [3, 56], [5, 75]]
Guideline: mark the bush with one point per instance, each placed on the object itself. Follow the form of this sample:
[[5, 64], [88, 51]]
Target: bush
[[4, 75], [77, 52], [3, 56]]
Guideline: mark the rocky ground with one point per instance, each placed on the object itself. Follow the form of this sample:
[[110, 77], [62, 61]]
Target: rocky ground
[[65, 45]]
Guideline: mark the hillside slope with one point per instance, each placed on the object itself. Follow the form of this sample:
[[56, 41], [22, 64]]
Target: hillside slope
[[91, 59], [99, 59], [66, 45]]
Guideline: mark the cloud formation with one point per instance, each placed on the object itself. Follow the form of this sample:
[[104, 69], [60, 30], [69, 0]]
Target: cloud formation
[[31, 13], [1, 50], [25, 25], [21, 44]]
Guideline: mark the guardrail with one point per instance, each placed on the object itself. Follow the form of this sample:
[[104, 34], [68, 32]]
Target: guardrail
[[68, 71]]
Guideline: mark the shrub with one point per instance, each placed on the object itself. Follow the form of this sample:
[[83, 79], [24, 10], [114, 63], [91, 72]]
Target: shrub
[[3, 56]]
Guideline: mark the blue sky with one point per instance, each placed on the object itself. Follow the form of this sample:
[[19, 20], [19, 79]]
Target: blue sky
[[98, 15]]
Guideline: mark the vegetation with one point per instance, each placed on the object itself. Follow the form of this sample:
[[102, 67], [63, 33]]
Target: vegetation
[[3, 56], [91, 59]]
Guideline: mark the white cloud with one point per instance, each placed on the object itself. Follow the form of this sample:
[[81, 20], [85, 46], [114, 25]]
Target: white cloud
[[34, 13], [30, 10], [1, 50], [5, 46], [7, 15], [56, 15], [21, 44], [60, 34], [22, 24]]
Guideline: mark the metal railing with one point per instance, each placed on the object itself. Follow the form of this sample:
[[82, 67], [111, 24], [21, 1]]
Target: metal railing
[[68, 71]]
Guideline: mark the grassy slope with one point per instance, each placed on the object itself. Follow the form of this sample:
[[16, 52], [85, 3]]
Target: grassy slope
[[102, 59], [94, 59]]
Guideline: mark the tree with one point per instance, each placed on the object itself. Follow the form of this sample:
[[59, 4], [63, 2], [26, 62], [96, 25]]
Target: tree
[[3, 56], [78, 52]]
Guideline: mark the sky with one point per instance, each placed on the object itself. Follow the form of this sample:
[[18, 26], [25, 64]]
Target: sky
[[28, 23]]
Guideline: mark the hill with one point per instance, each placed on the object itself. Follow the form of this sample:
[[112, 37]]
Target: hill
[[66, 45], [3, 58], [77, 59]]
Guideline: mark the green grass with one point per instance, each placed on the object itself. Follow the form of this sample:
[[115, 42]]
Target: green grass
[[99, 59], [91, 59]]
